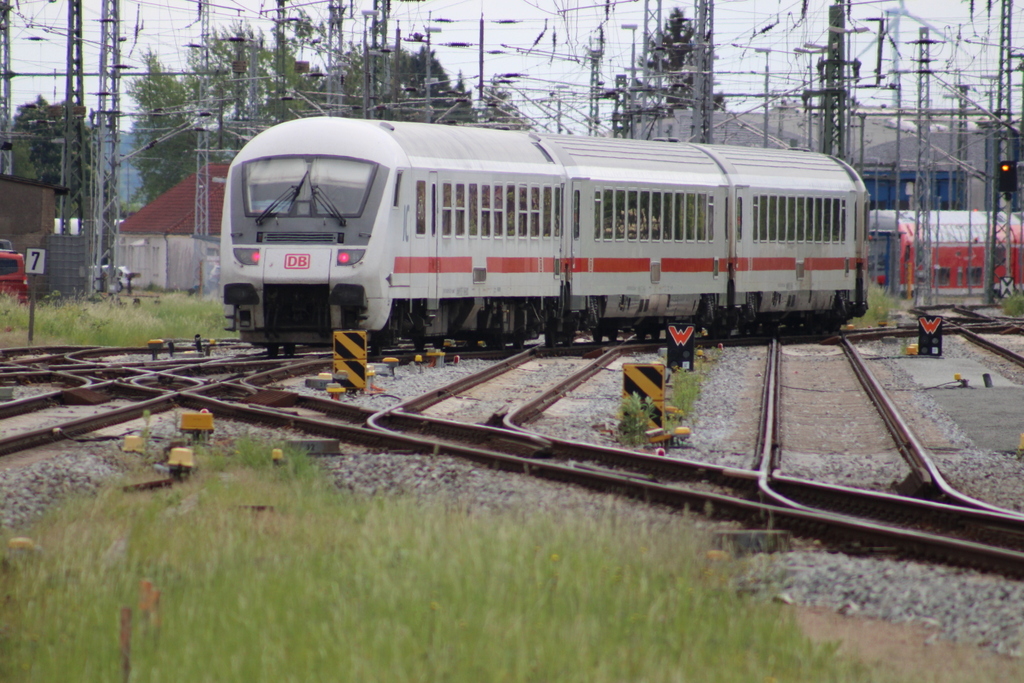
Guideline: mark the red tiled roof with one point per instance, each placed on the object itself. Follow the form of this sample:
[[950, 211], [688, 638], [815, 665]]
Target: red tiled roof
[[173, 212]]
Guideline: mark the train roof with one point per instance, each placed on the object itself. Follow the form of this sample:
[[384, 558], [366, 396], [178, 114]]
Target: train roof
[[612, 159]]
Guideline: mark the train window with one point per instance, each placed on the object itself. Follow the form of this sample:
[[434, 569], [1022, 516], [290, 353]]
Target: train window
[[791, 219], [644, 216], [709, 219], [460, 210], [534, 212], [446, 209], [499, 202], [546, 212], [632, 214], [668, 216], [599, 216], [620, 214], [576, 214], [765, 217], [398, 185], [739, 218], [472, 209], [942, 276], [679, 217], [510, 210], [524, 211], [827, 236], [421, 207], [656, 198], [773, 218], [485, 210], [557, 218], [838, 215], [817, 221], [801, 215], [701, 217]]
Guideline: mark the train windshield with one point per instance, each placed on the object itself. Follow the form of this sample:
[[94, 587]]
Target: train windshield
[[307, 186]]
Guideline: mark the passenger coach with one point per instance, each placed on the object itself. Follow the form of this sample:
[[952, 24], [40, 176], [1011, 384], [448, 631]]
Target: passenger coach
[[427, 232]]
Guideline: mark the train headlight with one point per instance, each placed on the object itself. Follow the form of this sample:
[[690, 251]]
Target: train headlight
[[346, 257], [248, 257]]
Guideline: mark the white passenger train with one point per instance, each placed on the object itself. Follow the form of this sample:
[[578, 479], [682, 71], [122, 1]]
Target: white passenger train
[[426, 232]]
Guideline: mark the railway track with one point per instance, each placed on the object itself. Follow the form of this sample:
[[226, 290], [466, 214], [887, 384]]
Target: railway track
[[950, 530]]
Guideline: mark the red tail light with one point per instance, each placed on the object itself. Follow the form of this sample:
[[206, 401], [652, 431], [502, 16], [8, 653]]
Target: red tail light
[[346, 257], [248, 257]]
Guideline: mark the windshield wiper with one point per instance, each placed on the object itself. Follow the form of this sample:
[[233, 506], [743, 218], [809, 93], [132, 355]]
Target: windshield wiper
[[321, 198], [289, 195]]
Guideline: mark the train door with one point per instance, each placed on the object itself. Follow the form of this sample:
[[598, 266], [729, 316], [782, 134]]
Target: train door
[[433, 239], [570, 239], [734, 233]]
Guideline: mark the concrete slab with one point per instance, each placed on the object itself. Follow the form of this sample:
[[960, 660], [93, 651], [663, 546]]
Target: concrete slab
[[929, 371], [993, 418]]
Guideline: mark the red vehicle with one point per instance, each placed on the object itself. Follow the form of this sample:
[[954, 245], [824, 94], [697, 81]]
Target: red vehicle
[[13, 280]]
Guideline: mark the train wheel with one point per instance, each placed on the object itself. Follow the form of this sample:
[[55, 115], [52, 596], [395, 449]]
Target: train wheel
[[289, 350], [272, 350]]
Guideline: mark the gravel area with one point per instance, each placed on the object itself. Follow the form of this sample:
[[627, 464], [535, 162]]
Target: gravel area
[[960, 605]]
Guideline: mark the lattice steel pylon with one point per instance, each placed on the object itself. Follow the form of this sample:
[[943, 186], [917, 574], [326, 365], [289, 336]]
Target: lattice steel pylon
[[106, 206], [335, 59], [833, 95], [701, 122], [6, 166], [72, 167], [651, 96], [596, 55], [999, 232], [924, 275], [202, 199]]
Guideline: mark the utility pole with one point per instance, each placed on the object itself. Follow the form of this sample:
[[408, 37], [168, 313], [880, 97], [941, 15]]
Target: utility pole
[[924, 274], [6, 166], [595, 84], [202, 200], [107, 202], [767, 53], [702, 120]]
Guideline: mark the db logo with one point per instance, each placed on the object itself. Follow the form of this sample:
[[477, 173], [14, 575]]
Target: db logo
[[296, 261]]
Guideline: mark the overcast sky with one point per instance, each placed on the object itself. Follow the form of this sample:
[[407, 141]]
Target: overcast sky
[[549, 42]]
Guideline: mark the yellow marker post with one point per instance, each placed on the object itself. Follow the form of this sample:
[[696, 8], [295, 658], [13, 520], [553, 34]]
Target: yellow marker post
[[646, 380], [350, 357]]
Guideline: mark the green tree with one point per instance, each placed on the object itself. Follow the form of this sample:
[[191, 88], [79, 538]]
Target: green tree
[[38, 138], [165, 143]]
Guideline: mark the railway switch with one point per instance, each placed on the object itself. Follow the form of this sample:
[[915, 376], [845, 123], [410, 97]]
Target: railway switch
[[181, 462], [197, 425], [133, 443]]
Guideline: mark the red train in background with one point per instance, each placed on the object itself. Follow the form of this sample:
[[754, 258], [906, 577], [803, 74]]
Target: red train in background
[[958, 252]]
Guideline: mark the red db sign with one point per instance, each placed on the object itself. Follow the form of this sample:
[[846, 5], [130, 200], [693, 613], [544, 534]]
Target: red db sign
[[296, 261]]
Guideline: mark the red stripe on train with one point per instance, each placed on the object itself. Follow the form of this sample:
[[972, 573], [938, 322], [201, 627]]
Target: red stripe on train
[[433, 264]]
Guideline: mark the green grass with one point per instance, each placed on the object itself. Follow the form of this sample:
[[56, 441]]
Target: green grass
[[1013, 305], [105, 323], [331, 587], [879, 305]]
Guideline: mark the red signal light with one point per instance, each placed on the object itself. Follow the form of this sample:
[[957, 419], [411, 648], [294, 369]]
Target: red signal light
[[344, 257]]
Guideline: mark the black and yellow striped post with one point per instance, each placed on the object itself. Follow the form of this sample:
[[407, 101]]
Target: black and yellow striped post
[[647, 380], [350, 358]]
